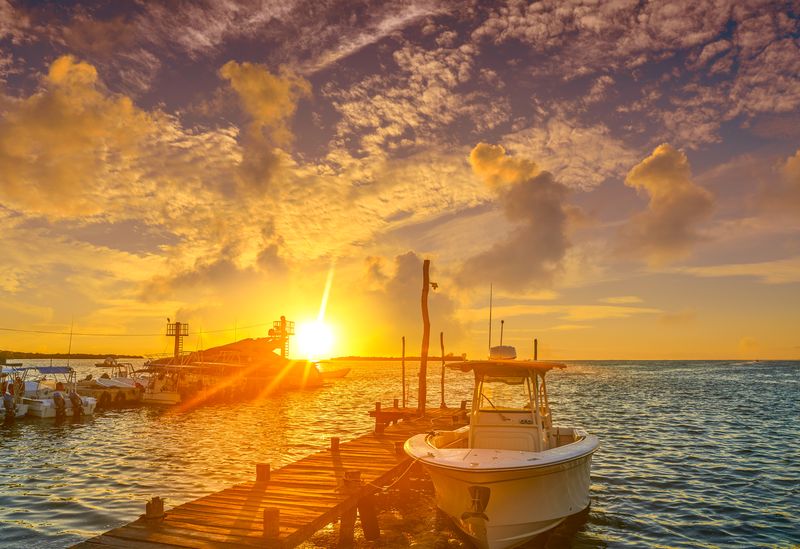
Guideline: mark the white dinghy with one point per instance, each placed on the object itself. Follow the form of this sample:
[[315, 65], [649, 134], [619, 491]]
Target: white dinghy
[[510, 474]]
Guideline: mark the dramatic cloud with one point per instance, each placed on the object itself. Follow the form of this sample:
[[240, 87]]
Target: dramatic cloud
[[61, 148], [535, 203], [269, 102], [668, 228]]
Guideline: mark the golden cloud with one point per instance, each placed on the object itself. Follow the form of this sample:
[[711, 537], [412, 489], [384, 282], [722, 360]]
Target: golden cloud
[[269, 100], [495, 168], [668, 228], [60, 148]]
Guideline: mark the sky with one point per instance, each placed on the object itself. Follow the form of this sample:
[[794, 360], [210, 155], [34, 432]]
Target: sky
[[623, 175]]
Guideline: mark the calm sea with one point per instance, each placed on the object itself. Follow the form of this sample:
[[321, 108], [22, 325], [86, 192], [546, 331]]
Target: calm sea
[[693, 454]]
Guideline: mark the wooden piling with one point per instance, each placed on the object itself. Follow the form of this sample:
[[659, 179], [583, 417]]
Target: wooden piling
[[442, 405], [369, 517], [347, 522], [403, 361], [334, 444], [262, 472], [426, 336], [272, 522], [154, 509]]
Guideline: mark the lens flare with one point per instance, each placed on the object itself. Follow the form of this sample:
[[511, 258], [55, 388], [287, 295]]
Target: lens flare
[[314, 340]]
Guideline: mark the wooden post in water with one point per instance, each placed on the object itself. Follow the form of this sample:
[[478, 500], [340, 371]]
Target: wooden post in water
[[502, 323], [535, 349], [404, 370], [426, 336], [441, 341]]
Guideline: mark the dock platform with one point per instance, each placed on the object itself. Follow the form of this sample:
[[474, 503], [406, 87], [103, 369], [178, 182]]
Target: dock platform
[[284, 507]]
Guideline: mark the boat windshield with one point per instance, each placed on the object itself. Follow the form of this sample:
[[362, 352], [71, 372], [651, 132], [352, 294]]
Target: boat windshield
[[504, 393]]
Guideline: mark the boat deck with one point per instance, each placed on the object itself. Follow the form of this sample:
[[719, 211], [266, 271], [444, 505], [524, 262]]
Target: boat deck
[[286, 506]]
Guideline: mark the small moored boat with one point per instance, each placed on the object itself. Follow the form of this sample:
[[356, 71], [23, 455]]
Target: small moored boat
[[12, 385], [510, 474], [55, 395]]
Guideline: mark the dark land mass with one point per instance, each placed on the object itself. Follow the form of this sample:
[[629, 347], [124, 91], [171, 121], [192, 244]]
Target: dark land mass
[[447, 358], [9, 355]]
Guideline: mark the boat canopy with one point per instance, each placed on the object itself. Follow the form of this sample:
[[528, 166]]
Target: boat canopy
[[506, 368], [14, 368], [55, 369]]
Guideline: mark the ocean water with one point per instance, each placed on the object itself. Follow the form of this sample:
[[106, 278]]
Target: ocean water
[[693, 454]]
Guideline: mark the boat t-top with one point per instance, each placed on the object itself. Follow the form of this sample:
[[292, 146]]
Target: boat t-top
[[510, 474]]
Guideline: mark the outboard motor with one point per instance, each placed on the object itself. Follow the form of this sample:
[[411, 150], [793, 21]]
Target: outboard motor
[[77, 404], [8, 405], [61, 405]]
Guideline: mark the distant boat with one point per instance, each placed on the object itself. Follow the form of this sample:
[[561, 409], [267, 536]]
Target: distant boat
[[245, 368], [334, 374], [510, 474]]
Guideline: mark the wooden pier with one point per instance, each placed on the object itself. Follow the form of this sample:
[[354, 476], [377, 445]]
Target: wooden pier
[[286, 506]]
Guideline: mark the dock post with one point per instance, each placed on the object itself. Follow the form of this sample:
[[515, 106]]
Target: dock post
[[347, 522], [379, 423], [426, 336], [443, 406], [272, 522], [369, 517], [404, 371], [396, 402], [334, 444], [262, 472], [154, 509]]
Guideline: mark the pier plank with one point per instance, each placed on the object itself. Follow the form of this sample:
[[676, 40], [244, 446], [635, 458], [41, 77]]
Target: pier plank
[[309, 493]]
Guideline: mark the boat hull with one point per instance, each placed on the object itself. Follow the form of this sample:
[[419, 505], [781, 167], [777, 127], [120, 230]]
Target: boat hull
[[46, 408], [20, 410], [503, 498], [164, 398], [519, 504]]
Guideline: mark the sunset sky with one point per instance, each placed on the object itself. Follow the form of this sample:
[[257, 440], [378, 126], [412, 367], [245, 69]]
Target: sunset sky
[[625, 174]]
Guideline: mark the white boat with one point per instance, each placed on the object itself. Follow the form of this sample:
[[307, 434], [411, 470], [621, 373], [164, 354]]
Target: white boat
[[12, 381], [119, 385], [510, 474], [162, 389], [40, 394]]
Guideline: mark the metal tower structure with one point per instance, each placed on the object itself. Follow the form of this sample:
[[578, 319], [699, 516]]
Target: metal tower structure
[[178, 330], [283, 329]]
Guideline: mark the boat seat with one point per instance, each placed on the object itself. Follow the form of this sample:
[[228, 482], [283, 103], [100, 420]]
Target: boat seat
[[504, 437]]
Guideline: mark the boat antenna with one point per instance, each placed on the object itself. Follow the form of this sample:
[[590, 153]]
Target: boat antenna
[[490, 319], [69, 349]]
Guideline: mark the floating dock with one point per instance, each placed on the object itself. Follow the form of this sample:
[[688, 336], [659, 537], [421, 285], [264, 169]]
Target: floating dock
[[285, 507]]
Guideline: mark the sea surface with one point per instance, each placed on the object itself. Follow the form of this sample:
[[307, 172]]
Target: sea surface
[[693, 454]]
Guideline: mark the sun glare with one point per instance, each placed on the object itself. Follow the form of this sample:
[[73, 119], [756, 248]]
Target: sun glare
[[314, 340]]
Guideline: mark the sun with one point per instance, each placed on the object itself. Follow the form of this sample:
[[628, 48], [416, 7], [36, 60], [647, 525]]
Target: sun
[[314, 340]]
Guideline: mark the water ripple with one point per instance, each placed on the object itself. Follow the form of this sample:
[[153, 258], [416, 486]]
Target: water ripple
[[693, 454]]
